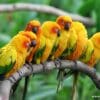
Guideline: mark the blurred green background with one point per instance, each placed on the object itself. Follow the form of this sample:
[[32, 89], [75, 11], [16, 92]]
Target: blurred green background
[[43, 86]]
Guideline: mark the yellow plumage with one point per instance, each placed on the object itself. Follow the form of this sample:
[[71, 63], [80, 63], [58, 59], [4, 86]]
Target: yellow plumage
[[13, 55], [47, 40], [87, 52], [34, 26], [65, 23], [96, 54], [81, 40]]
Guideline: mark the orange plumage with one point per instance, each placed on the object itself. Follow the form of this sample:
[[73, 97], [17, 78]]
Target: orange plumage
[[81, 41], [34, 26]]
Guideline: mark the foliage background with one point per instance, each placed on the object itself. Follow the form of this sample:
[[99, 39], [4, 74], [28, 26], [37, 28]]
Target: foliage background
[[43, 86]]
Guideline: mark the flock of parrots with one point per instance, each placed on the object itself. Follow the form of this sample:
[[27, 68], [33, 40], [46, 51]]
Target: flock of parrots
[[63, 38]]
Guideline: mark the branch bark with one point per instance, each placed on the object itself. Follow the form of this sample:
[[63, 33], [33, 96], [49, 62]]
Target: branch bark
[[28, 69], [46, 9]]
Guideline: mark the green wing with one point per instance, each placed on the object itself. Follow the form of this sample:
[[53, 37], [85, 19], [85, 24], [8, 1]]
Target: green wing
[[68, 51], [55, 47], [40, 50], [8, 57], [87, 53]]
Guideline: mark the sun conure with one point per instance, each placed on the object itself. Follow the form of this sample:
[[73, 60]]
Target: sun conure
[[61, 50], [34, 26], [61, 43], [82, 38], [87, 52], [50, 32], [96, 54], [13, 55]]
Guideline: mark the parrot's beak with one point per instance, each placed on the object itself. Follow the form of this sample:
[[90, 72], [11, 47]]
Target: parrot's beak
[[67, 26], [35, 29], [33, 43], [58, 33]]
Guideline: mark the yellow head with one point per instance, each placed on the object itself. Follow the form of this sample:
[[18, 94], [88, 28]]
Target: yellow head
[[50, 29], [34, 26], [64, 22], [96, 42], [80, 28]]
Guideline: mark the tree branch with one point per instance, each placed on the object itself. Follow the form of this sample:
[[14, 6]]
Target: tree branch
[[28, 69], [45, 9]]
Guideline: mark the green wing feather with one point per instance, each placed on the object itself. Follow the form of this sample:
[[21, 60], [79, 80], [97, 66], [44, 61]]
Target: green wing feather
[[40, 50], [69, 50], [8, 57], [87, 53]]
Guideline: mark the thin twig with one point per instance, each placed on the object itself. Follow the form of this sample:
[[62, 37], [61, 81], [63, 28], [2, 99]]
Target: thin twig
[[44, 8]]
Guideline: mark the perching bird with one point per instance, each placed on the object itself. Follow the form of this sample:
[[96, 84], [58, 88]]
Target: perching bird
[[87, 52], [13, 55], [82, 38], [61, 44], [50, 32], [34, 26], [67, 34], [96, 54]]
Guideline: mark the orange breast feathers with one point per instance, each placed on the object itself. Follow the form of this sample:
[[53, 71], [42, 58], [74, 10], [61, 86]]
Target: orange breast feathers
[[35, 27], [81, 42]]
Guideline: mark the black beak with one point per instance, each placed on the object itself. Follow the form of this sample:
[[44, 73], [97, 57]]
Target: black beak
[[58, 33], [33, 43], [67, 26], [35, 29]]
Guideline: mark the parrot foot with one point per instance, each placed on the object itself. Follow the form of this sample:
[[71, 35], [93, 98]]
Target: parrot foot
[[29, 66], [58, 63], [70, 72]]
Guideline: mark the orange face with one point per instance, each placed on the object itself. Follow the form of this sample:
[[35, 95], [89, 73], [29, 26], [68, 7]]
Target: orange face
[[55, 30], [64, 22], [34, 26], [29, 39]]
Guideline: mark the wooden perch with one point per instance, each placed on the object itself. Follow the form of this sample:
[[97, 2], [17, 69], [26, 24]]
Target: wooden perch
[[46, 9], [28, 69]]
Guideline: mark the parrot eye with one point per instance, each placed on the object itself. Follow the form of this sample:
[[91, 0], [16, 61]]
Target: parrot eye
[[56, 30], [33, 43], [35, 29], [67, 26]]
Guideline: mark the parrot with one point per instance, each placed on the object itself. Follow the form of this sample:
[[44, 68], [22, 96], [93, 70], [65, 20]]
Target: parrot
[[35, 27], [82, 38], [96, 54], [61, 43], [67, 33], [87, 52], [13, 54], [50, 32]]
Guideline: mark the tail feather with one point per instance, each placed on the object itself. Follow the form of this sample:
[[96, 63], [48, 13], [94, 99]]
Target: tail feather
[[60, 78], [25, 87], [74, 88]]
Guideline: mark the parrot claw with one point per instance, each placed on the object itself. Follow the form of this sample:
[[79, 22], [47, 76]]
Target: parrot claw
[[60, 78]]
